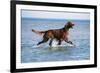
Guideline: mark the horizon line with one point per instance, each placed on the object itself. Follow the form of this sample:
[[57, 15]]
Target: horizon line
[[51, 18]]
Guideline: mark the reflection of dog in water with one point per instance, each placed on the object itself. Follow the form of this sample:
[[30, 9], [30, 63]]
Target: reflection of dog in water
[[58, 34]]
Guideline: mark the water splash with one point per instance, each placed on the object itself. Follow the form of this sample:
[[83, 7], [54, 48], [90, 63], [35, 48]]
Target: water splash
[[54, 43]]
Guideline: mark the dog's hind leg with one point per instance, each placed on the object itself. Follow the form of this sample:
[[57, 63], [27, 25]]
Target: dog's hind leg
[[50, 43], [43, 41]]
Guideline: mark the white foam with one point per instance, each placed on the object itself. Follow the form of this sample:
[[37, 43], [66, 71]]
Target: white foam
[[54, 44]]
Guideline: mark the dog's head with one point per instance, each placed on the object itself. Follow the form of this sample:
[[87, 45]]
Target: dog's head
[[69, 25]]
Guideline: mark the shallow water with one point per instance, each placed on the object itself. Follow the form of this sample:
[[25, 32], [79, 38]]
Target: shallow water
[[80, 35]]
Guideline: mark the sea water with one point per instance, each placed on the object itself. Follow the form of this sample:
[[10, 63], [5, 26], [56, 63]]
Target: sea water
[[79, 35]]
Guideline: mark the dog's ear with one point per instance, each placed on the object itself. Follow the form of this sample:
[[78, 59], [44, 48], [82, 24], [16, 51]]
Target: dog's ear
[[69, 23]]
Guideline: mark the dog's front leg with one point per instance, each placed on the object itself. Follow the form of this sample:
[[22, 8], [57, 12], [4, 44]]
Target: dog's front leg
[[59, 42], [70, 42]]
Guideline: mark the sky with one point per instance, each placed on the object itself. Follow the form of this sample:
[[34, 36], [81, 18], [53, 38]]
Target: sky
[[55, 15]]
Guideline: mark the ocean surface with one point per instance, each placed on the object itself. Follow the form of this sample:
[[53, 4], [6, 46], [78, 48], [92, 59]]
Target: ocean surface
[[79, 35]]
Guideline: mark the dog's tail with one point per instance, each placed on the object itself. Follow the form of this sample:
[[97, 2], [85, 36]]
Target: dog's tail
[[38, 32]]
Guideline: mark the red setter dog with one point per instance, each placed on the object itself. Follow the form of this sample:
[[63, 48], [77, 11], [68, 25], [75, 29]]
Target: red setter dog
[[58, 34]]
